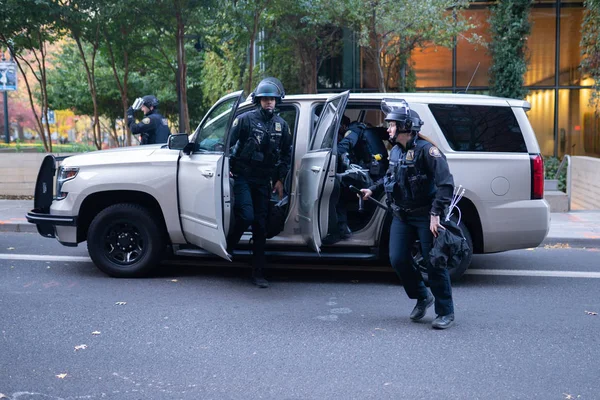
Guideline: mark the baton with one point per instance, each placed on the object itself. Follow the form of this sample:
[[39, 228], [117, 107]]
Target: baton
[[358, 192]]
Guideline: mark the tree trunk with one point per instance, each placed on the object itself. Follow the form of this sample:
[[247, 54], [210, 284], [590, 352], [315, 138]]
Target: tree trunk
[[182, 73]]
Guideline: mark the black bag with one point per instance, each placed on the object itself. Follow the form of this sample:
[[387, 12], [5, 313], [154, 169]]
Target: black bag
[[277, 214], [449, 248]]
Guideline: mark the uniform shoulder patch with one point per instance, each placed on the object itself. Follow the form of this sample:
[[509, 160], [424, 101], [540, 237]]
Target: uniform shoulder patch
[[434, 152], [235, 122], [146, 120]]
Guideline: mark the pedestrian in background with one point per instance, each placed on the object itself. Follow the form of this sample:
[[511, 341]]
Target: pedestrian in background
[[419, 188], [153, 128]]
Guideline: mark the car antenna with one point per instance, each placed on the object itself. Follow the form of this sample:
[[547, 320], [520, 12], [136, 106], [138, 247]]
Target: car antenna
[[476, 68]]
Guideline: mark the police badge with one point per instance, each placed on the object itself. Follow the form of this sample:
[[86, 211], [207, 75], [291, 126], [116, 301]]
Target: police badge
[[278, 126], [434, 152], [410, 155]]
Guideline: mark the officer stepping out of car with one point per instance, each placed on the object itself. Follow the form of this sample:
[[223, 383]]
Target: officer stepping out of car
[[260, 156], [419, 188], [153, 128]]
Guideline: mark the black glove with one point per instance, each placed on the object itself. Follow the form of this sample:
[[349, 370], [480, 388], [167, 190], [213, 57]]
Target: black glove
[[129, 114]]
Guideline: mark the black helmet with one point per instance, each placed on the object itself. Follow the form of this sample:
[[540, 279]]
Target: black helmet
[[416, 120], [268, 87], [397, 110], [150, 101]]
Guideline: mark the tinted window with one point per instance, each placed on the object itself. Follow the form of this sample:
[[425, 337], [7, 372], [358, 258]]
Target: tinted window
[[479, 128]]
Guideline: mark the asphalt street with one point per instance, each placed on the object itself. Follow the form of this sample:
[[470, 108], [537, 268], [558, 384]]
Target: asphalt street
[[70, 332]]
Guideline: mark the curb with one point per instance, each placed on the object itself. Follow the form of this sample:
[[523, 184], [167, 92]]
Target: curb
[[18, 227], [571, 242]]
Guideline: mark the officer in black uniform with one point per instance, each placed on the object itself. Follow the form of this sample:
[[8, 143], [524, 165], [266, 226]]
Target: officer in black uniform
[[260, 157], [153, 128], [419, 187]]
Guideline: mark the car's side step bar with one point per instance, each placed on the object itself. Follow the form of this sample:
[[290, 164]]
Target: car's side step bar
[[281, 254]]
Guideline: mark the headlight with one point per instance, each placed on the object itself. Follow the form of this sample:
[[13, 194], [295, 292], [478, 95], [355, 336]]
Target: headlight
[[64, 174]]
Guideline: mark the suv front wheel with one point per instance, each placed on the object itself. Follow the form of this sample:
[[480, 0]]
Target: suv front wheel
[[125, 241]]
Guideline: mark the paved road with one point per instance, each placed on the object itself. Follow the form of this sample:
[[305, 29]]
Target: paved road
[[206, 333]]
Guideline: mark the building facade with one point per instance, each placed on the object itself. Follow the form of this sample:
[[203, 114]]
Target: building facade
[[559, 95]]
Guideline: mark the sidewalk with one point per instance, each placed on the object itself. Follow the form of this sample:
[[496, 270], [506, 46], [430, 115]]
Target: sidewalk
[[575, 228]]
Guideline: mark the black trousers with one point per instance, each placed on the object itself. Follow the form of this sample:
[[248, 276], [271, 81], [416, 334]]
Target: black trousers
[[251, 207], [403, 234]]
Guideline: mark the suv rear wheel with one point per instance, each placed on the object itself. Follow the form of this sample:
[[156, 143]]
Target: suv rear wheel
[[125, 241]]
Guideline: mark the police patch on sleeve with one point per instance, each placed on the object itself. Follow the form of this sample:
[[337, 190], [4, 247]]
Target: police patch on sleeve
[[235, 122], [146, 120], [434, 152]]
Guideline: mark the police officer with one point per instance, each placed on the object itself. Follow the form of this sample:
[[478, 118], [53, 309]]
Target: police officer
[[419, 188], [352, 148], [260, 157], [153, 128]]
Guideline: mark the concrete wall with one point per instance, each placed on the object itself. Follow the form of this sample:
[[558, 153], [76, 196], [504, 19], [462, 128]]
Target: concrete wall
[[585, 183], [18, 172]]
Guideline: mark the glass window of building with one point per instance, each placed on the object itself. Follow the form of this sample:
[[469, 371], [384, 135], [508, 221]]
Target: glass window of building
[[541, 46], [570, 52], [578, 124], [468, 55], [432, 66], [541, 117]]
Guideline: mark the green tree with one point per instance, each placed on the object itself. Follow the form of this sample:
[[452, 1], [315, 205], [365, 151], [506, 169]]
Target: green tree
[[27, 28], [590, 47], [510, 27], [391, 30]]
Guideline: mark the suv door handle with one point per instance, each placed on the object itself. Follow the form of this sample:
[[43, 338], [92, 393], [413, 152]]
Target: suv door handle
[[208, 173], [315, 169]]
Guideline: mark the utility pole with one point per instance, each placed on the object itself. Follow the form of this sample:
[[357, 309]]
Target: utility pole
[[6, 130]]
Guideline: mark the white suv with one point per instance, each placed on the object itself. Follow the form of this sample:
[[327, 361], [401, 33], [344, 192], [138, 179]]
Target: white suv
[[132, 204]]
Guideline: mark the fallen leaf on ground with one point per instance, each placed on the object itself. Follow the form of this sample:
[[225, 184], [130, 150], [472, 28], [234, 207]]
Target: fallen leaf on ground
[[96, 333], [387, 383], [120, 303], [10, 248], [557, 246], [2, 396], [81, 347], [591, 313], [173, 280], [61, 376]]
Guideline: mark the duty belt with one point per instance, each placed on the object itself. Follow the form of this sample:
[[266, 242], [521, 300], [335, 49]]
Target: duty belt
[[402, 212]]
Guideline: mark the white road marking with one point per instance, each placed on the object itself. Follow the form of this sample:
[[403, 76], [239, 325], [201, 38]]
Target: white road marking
[[523, 272], [490, 272]]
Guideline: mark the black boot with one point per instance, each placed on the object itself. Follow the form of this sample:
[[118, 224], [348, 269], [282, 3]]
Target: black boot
[[420, 309], [258, 279]]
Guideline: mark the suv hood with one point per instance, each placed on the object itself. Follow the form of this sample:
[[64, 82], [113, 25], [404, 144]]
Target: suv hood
[[123, 155]]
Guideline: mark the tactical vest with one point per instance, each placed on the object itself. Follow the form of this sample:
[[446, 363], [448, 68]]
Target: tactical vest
[[260, 151], [407, 183]]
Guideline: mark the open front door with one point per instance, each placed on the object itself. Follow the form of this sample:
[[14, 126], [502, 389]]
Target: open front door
[[203, 179], [316, 176]]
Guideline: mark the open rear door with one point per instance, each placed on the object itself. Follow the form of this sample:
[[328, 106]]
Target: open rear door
[[203, 179], [316, 176]]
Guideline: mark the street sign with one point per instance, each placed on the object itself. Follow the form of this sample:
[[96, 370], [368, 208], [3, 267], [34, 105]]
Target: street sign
[[51, 117], [8, 76]]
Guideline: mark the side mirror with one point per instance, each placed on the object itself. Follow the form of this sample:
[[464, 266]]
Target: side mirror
[[178, 141]]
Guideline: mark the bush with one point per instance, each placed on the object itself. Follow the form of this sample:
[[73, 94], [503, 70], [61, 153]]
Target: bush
[[550, 167]]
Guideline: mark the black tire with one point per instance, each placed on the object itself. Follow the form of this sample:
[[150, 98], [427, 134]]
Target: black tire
[[455, 273], [125, 241]]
